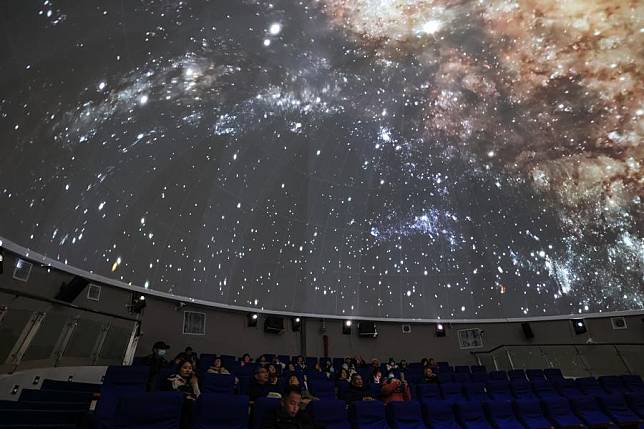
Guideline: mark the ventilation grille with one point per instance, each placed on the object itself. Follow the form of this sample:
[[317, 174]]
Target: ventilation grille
[[94, 292], [22, 270], [470, 338], [618, 323], [194, 323]]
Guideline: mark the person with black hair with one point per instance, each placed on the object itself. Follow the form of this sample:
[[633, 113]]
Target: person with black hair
[[184, 381], [429, 376], [217, 367], [245, 360], [156, 360], [188, 355], [289, 415], [261, 386], [356, 391]]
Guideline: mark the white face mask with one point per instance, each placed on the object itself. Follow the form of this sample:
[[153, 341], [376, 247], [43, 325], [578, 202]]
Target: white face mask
[[161, 352]]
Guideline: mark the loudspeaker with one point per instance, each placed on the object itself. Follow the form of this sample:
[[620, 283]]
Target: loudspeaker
[[274, 325], [527, 330], [367, 329], [69, 291]]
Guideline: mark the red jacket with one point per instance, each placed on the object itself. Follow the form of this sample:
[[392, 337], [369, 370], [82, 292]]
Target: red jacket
[[395, 391]]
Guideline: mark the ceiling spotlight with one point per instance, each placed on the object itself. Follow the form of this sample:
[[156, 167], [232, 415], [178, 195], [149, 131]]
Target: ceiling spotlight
[[579, 326], [252, 319], [142, 298], [346, 327], [296, 324], [439, 330], [137, 304]]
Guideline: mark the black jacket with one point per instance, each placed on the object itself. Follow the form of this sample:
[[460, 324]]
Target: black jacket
[[280, 419], [257, 390], [355, 394]]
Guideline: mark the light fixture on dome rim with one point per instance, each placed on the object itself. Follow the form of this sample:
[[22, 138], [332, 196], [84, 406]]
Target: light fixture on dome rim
[[296, 324], [439, 330], [346, 327], [252, 319], [579, 325], [138, 303]]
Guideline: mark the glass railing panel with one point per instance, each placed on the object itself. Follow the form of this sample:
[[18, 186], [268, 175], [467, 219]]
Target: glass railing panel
[[567, 359], [501, 358], [115, 345], [602, 360], [528, 357], [11, 327], [50, 331], [82, 342], [634, 358]]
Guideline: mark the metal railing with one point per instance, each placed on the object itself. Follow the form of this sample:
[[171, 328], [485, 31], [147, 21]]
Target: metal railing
[[574, 360]]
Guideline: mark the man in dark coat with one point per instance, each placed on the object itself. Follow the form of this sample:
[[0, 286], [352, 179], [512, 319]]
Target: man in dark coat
[[156, 360], [289, 415], [260, 387], [357, 390]]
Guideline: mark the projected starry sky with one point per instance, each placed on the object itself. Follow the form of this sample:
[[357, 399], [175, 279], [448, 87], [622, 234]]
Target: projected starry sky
[[405, 159]]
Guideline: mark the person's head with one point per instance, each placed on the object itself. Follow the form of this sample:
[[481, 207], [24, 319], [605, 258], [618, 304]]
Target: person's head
[[293, 380], [392, 361], [344, 374], [356, 380], [246, 358], [217, 362], [185, 368], [424, 362], [188, 350], [403, 363], [291, 400], [431, 362], [291, 367], [428, 371], [376, 373], [160, 348], [300, 360], [272, 370], [261, 375], [375, 363], [262, 359]]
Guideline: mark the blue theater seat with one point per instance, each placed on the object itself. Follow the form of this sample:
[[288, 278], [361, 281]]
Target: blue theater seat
[[152, 410], [263, 407], [479, 377], [568, 388], [217, 383], [439, 415], [590, 386], [462, 368], [535, 374], [521, 389], [342, 386], [404, 415], [461, 377], [612, 384], [559, 412], [330, 413], [69, 386], [617, 409], [529, 413], [445, 377], [30, 419], [367, 415], [126, 375], [34, 395], [497, 375], [499, 390], [543, 389], [475, 391], [478, 368], [219, 411], [635, 400], [502, 415], [633, 382], [589, 411], [452, 392], [428, 391], [470, 415], [517, 374], [553, 374], [323, 389]]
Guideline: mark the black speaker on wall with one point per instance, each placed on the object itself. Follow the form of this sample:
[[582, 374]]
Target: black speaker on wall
[[527, 330], [274, 325], [69, 291]]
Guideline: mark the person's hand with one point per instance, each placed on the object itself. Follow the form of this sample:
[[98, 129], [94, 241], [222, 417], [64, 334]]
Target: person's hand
[[194, 380]]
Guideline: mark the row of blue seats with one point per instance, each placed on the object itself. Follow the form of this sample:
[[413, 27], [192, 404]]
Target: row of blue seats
[[163, 410]]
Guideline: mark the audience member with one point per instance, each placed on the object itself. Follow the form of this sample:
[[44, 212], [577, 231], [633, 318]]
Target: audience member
[[289, 415], [429, 376], [395, 390], [300, 362], [357, 390], [431, 362], [327, 368], [424, 362], [391, 365], [260, 385], [375, 363], [262, 360], [376, 376], [156, 360], [343, 374], [291, 368], [402, 365], [217, 367], [245, 360], [304, 389], [273, 374], [280, 364], [188, 355], [184, 381]]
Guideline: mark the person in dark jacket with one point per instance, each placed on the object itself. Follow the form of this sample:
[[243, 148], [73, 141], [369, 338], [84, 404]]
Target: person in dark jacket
[[289, 415], [357, 390], [261, 385], [429, 376], [156, 360]]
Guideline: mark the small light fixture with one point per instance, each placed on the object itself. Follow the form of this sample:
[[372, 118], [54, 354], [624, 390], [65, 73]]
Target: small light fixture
[[252, 320], [296, 324], [440, 330], [346, 327], [579, 326]]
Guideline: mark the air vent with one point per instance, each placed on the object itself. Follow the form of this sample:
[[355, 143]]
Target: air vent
[[194, 323], [94, 292], [406, 328], [618, 323], [470, 338], [22, 270]]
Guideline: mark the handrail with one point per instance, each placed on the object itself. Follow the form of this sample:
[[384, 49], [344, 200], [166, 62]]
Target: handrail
[[553, 344], [63, 303]]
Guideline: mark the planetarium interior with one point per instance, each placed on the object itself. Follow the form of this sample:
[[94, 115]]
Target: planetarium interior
[[366, 214]]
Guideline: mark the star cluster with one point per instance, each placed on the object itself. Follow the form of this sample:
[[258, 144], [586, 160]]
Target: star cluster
[[401, 159]]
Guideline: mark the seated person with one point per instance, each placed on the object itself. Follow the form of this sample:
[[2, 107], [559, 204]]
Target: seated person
[[276, 361], [185, 381], [375, 363], [156, 360], [429, 376], [395, 390], [357, 390], [300, 363], [217, 367], [289, 415], [188, 355], [260, 385], [376, 376], [304, 389], [273, 374], [402, 365], [245, 360], [391, 365], [343, 374]]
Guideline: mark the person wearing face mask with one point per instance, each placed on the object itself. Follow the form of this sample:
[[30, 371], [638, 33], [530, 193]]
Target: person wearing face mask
[[156, 360]]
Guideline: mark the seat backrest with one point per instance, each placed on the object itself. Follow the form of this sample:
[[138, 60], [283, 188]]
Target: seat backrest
[[461, 377], [263, 406], [612, 383], [633, 382], [471, 415], [214, 410], [475, 391], [553, 374], [149, 410], [445, 377], [322, 388], [452, 391], [438, 412], [497, 375], [557, 406], [498, 388], [500, 409], [535, 374], [521, 388], [331, 413], [404, 415], [217, 383], [479, 377], [462, 368], [55, 396], [367, 415], [529, 407], [516, 374], [428, 391], [478, 368]]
